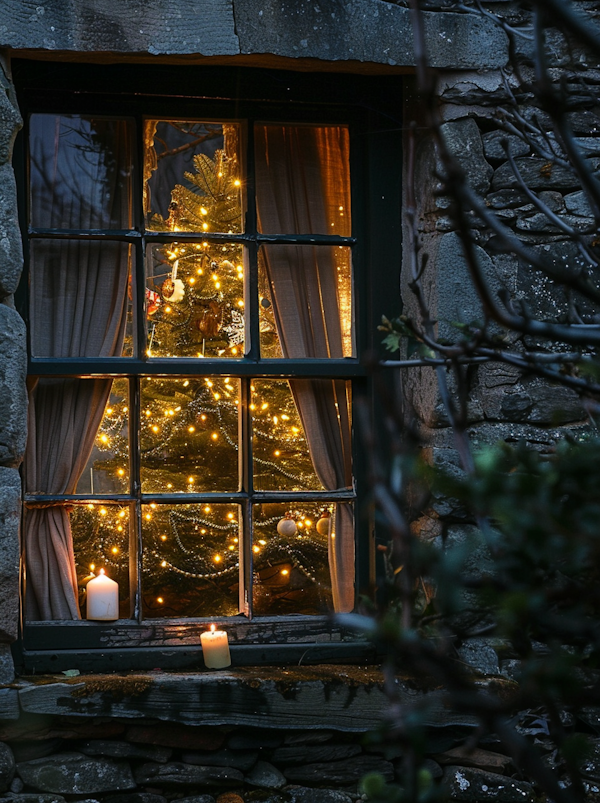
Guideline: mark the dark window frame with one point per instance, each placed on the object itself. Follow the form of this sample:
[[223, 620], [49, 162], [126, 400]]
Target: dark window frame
[[365, 105]]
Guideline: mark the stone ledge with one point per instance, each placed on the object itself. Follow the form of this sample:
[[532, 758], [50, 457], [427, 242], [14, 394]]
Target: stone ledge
[[343, 698], [356, 31]]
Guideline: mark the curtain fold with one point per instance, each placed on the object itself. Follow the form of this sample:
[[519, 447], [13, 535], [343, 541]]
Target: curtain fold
[[78, 309], [301, 183]]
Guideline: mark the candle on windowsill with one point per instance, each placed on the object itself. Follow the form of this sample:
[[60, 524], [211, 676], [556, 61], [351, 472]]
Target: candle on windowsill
[[215, 648], [102, 603]]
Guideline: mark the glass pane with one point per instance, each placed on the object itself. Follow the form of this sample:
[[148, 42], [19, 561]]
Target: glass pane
[[107, 470], [79, 299], [80, 172], [189, 435], [303, 179], [101, 541], [306, 305], [290, 559], [281, 457], [195, 300], [192, 178], [190, 560]]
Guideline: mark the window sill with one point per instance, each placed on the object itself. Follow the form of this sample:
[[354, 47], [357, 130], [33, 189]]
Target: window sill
[[338, 697]]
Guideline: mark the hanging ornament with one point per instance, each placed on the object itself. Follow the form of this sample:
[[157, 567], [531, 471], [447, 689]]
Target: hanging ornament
[[209, 322], [287, 526], [235, 330], [153, 301], [173, 289], [323, 523]]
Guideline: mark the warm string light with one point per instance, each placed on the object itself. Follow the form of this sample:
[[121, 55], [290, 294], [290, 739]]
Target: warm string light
[[179, 418]]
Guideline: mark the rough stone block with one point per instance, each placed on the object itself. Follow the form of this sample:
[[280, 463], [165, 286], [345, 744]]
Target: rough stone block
[[136, 797], [181, 26], [463, 139], [266, 776], [180, 736], [13, 394], [11, 250], [590, 766], [311, 754], [457, 298], [10, 118], [577, 204], [541, 224], [74, 773], [340, 772], [9, 704], [538, 174], [238, 759], [493, 149], [177, 773], [479, 655], [464, 783], [304, 794], [7, 667], [120, 749], [7, 767], [33, 797], [364, 30], [10, 507], [475, 757]]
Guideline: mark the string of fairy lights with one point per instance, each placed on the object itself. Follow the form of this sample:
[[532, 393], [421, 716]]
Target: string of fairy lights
[[189, 426]]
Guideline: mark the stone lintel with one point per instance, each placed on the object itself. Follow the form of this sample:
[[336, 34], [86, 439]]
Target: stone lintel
[[356, 31], [344, 698]]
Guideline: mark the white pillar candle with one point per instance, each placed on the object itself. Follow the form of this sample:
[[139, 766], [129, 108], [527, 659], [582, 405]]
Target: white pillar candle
[[102, 598], [215, 648]]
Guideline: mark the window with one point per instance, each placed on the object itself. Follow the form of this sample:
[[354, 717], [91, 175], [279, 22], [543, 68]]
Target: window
[[193, 308]]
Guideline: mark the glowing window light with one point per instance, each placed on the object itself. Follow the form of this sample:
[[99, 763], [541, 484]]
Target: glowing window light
[[109, 411], [103, 511], [122, 514], [115, 550], [217, 558], [215, 436], [163, 538], [285, 571], [191, 480], [191, 429], [207, 509], [256, 548], [160, 600]]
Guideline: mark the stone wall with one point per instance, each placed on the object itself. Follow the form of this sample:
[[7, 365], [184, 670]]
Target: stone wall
[[13, 369], [503, 404]]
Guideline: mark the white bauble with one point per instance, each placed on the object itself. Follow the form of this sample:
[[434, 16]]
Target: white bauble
[[287, 527]]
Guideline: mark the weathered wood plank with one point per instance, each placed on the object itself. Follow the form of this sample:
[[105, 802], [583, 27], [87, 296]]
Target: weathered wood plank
[[189, 658], [341, 698], [183, 632]]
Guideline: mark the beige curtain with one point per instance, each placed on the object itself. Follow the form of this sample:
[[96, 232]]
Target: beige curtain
[[302, 181], [84, 316], [78, 309]]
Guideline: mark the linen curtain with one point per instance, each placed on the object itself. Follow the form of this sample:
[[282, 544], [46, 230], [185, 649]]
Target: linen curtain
[[301, 177], [78, 309]]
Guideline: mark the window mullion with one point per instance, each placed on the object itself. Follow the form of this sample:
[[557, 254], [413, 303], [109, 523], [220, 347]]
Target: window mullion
[[251, 267], [246, 485], [135, 508]]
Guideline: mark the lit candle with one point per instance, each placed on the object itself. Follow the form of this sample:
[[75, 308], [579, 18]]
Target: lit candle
[[215, 648], [102, 598]]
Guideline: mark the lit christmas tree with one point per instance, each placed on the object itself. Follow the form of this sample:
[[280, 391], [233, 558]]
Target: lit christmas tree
[[189, 432]]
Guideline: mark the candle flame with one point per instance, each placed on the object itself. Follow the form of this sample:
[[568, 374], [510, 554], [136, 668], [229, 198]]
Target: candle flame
[[213, 628], [101, 571]]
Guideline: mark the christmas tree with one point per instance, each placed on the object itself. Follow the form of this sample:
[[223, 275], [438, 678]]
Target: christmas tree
[[189, 428]]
